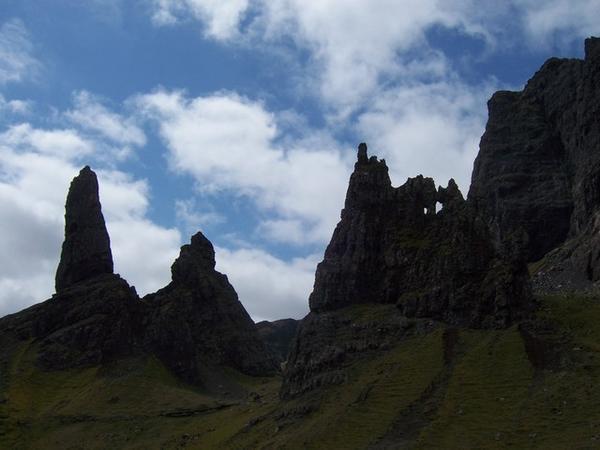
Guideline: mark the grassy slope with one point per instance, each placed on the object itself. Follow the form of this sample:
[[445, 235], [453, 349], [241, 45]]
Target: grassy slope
[[448, 389]]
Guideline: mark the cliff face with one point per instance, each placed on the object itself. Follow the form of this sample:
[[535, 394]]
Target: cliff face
[[193, 324], [539, 162], [398, 258], [86, 248], [392, 246], [95, 315], [278, 336], [197, 321]]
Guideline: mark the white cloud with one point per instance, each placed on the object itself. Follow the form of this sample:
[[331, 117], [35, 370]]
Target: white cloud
[[221, 17], [63, 143], [14, 107], [354, 44], [90, 114], [268, 287], [432, 129], [356, 47], [36, 167], [16, 53], [563, 20], [192, 218], [284, 230], [228, 142]]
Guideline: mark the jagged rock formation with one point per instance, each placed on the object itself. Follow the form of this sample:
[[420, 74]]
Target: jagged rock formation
[[92, 322], [391, 246], [278, 335], [539, 162], [197, 320], [95, 315], [194, 324], [86, 248]]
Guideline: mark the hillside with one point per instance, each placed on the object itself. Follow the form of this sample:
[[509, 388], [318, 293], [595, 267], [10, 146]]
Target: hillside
[[435, 321], [435, 387]]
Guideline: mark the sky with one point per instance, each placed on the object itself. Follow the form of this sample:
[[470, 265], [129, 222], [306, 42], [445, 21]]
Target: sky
[[241, 119]]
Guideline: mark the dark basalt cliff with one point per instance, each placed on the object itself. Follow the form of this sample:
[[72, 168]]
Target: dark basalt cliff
[[278, 335], [197, 320], [538, 168], [86, 248], [95, 315], [194, 324], [535, 194], [392, 247]]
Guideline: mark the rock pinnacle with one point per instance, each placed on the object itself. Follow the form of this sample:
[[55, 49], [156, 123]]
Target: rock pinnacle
[[86, 248]]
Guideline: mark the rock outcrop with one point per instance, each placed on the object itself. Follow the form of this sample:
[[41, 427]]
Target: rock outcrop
[[86, 249], [392, 246], [405, 256], [538, 167], [95, 316], [194, 324], [278, 336], [197, 322]]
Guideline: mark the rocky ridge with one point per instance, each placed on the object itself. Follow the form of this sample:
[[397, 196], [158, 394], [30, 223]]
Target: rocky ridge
[[193, 325], [538, 168], [197, 322], [424, 251], [278, 335], [393, 246]]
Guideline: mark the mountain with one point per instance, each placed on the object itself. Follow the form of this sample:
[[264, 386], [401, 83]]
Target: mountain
[[391, 247], [539, 165], [194, 326], [278, 335], [425, 328]]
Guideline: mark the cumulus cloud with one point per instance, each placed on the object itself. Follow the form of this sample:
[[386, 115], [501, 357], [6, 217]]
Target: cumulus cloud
[[357, 48], [15, 107], [432, 129], [191, 217], [228, 142], [90, 114], [16, 52], [221, 17], [353, 45], [560, 20], [270, 288], [36, 166], [63, 143]]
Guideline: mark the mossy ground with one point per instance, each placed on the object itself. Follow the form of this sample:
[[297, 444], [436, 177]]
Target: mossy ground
[[448, 388]]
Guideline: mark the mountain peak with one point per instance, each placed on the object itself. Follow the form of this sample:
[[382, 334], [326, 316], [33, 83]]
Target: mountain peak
[[86, 249]]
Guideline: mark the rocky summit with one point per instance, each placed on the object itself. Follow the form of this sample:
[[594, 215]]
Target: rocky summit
[[393, 245], [86, 248], [194, 325], [538, 168], [197, 324], [424, 250]]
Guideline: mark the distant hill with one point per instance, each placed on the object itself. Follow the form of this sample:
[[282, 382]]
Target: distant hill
[[278, 335]]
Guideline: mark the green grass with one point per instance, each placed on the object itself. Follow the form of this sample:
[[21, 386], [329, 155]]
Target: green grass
[[487, 395]]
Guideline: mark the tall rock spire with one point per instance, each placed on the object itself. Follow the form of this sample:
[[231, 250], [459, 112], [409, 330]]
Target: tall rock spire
[[86, 248]]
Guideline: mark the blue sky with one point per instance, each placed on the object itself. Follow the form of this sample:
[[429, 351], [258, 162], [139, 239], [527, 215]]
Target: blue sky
[[241, 118]]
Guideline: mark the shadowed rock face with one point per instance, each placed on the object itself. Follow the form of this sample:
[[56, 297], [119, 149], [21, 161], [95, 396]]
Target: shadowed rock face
[[86, 248], [278, 336], [538, 166], [197, 321], [391, 246], [193, 325], [392, 252]]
